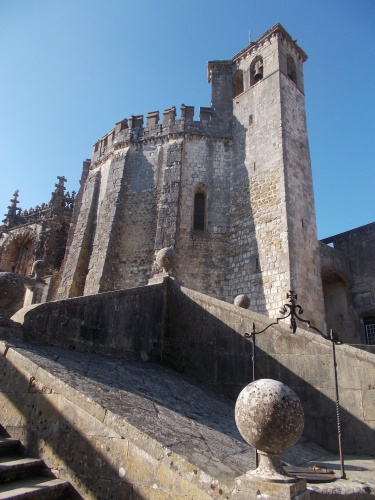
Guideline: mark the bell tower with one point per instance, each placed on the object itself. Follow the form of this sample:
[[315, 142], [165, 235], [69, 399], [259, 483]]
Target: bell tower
[[274, 246]]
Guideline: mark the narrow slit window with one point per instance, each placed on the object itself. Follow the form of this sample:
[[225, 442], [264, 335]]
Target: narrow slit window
[[291, 69], [199, 211]]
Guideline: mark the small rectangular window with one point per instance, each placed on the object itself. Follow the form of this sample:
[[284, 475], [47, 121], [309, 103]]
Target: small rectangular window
[[370, 332]]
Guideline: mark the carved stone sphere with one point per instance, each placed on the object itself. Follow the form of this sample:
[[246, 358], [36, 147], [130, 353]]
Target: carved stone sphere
[[242, 301], [166, 258], [11, 289], [269, 415], [39, 267]]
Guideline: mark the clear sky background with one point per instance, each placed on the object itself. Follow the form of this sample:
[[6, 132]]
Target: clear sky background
[[70, 69]]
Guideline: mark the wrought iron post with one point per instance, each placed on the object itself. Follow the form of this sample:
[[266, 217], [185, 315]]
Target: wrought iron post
[[253, 333], [293, 311], [343, 474]]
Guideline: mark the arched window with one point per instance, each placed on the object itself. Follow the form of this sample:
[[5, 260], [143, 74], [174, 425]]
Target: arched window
[[291, 69], [370, 330], [199, 211], [256, 70], [237, 83]]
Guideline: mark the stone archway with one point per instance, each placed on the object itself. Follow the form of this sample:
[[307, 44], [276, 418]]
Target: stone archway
[[18, 251], [338, 317]]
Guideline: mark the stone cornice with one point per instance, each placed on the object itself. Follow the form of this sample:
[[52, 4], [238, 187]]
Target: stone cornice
[[275, 31]]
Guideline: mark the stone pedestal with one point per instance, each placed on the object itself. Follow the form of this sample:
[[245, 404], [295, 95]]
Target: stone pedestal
[[270, 417], [160, 277], [251, 488], [36, 292]]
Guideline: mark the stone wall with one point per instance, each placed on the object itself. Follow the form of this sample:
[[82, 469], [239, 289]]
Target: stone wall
[[203, 255], [273, 232], [259, 261], [206, 340], [303, 245], [204, 337], [125, 323], [139, 199], [76, 261], [348, 273], [201, 339]]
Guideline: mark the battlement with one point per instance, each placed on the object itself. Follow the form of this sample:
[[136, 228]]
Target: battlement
[[132, 130]]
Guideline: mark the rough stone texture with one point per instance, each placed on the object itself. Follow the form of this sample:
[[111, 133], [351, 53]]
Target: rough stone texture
[[348, 273], [275, 246], [269, 416], [204, 337], [39, 267], [242, 301], [127, 323], [39, 234], [18, 247], [139, 194], [166, 259], [11, 289], [137, 430], [248, 488]]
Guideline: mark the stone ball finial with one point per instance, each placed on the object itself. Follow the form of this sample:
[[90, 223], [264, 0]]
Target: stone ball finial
[[11, 289], [166, 258], [269, 415], [242, 301], [38, 269]]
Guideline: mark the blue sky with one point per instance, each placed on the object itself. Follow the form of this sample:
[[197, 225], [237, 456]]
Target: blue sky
[[71, 69]]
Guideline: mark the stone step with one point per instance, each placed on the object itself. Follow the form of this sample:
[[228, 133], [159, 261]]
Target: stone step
[[39, 487], [8, 445], [15, 467]]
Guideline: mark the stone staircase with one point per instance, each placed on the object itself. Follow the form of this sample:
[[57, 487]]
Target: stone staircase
[[27, 478]]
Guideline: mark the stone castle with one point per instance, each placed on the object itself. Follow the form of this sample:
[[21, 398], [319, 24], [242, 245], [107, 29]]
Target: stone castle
[[231, 192], [127, 394]]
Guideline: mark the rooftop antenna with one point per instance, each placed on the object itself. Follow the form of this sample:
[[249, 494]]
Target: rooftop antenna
[[249, 36]]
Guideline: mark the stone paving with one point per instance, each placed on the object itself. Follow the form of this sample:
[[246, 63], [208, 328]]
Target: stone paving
[[181, 415]]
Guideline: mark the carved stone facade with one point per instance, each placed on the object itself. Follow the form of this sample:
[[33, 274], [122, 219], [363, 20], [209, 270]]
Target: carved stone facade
[[38, 234]]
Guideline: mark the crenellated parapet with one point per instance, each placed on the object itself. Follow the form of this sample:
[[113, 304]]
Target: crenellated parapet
[[134, 130]]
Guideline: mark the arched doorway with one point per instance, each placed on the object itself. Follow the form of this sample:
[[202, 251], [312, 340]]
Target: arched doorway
[[335, 287]]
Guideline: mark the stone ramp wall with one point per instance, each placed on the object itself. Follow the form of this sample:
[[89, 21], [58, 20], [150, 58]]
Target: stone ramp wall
[[123, 323], [204, 337], [97, 451]]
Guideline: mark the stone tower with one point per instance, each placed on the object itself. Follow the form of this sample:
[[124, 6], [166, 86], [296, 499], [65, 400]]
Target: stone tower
[[232, 191], [273, 236]]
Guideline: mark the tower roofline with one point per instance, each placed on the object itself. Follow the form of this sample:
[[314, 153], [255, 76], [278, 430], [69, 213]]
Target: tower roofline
[[253, 46], [277, 29]]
